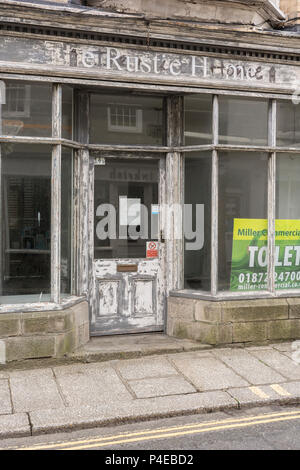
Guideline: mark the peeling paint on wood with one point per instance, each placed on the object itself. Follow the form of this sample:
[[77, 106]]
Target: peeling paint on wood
[[128, 301], [92, 61]]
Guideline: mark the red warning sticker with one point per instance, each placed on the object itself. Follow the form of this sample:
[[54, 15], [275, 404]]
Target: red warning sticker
[[152, 250]]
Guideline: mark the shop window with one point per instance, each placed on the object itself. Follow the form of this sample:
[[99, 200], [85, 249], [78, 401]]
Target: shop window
[[287, 235], [66, 221], [198, 120], [243, 121], [288, 124], [127, 120], [26, 224], [253, 247], [27, 110], [197, 267], [243, 200]]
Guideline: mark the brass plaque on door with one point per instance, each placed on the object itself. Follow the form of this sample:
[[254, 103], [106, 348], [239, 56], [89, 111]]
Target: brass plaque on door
[[127, 268]]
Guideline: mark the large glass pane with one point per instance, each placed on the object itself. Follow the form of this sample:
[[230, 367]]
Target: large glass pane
[[66, 220], [287, 252], [243, 121], [198, 119], [116, 119], [288, 124], [197, 261], [243, 225], [28, 109], [67, 112], [25, 223], [126, 207]]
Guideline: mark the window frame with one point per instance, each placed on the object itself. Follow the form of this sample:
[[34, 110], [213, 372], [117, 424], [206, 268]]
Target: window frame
[[174, 151], [271, 149], [57, 143]]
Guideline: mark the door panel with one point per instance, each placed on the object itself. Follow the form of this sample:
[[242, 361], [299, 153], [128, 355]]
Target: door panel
[[144, 296], [109, 296], [128, 288]]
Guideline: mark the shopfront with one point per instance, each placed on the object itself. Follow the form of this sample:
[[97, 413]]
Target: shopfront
[[144, 189]]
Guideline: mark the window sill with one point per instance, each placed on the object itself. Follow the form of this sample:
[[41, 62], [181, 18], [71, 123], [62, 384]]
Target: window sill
[[42, 306], [191, 294]]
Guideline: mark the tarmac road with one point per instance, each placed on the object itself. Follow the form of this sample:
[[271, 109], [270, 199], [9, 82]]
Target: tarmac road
[[260, 428]]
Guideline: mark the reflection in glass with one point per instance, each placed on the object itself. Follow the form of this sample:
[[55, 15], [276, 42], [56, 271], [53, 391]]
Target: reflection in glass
[[197, 263], [26, 223], [243, 194], [198, 119], [288, 124], [66, 220], [131, 188], [243, 121], [117, 119], [28, 109]]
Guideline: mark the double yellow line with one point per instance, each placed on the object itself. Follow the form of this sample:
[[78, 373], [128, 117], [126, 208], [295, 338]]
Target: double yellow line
[[163, 433]]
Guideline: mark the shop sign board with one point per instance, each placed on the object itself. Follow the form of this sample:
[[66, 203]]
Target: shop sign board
[[249, 264], [66, 58]]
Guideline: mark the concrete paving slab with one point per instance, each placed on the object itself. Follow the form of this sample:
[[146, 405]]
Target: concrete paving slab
[[3, 375], [287, 392], [34, 390], [282, 346], [249, 367], [293, 388], [143, 368], [15, 425], [290, 355], [259, 348], [157, 387], [280, 362], [191, 355], [208, 373], [195, 346], [46, 421], [74, 369], [5, 402], [90, 384]]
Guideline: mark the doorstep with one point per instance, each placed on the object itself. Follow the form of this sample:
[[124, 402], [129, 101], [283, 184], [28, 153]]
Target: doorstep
[[105, 348]]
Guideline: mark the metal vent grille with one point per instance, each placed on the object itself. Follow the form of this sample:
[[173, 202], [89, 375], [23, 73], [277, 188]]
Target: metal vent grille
[[182, 46]]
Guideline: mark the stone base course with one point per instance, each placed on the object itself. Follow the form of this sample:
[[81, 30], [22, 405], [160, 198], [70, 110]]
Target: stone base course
[[49, 334], [234, 322]]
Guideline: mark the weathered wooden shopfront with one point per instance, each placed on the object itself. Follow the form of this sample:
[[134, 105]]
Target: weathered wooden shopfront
[[105, 131]]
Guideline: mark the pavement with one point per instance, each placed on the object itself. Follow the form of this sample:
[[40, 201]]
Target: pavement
[[60, 398]]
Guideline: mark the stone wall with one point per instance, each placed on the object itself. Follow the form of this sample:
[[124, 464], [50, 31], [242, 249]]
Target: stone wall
[[291, 8], [234, 322], [35, 335], [214, 11]]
